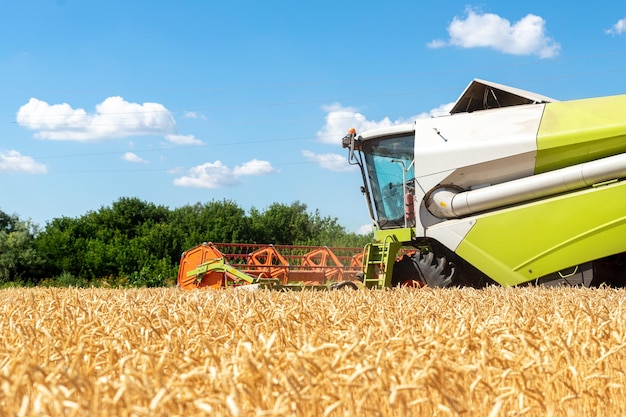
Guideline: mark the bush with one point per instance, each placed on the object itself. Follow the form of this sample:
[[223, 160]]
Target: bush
[[158, 274], [66, 280]]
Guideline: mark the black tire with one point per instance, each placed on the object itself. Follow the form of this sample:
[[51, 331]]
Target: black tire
[[344, 285], [425, 267]]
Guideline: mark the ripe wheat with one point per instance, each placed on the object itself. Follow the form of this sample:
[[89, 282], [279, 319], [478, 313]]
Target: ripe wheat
[[404, 352]]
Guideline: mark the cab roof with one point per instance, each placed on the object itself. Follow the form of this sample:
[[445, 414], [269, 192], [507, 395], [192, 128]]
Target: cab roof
[[482, 95]]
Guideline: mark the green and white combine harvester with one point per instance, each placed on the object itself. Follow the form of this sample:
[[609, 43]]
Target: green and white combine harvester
[[511, 188]]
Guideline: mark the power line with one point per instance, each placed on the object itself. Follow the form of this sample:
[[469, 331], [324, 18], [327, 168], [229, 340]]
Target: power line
[[301, 102], [176, 148], [152, 170], [294, 139], [458, 70]]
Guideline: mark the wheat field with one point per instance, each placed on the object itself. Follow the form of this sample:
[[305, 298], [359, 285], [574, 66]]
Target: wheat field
[[404, 352]]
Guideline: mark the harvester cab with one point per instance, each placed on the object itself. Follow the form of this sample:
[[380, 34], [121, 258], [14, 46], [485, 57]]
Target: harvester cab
[[509, 188]]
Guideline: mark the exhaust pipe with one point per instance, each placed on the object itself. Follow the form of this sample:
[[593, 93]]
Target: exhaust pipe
[[449, 202]]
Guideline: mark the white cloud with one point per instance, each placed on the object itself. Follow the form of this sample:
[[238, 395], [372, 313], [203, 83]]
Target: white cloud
[[217, 175], [330, 161], [132, 157], [339, 119], [175, 170], [193, 115], [13, 161], [253, 167], [113, 118], [365, 229], [618, 28], [183, 139], [442, 110], [528, 36], [437, 43]]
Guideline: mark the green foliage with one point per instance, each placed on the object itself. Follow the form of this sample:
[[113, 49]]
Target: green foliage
[[282, 225], [156, 274], [65, 280], [217, 221], [18, 256], [133, 243], [293, 225]]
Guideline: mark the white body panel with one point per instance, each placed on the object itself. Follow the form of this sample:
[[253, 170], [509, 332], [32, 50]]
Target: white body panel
[[452, 232], [472, 150], [469, 140]]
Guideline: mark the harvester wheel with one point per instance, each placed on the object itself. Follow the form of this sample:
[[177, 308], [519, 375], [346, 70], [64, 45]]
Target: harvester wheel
[[424, 267]]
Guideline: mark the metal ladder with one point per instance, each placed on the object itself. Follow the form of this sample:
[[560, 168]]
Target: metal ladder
[[378, 263]]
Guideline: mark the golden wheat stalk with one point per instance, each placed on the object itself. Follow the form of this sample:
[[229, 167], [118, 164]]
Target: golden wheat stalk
[[147, 352]]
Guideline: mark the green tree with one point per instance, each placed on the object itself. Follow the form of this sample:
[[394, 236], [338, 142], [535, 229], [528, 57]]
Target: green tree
[[19, 259], [112, 242], [7, 222], [62, 245], [216, 221], [282, 224], [127, 216]]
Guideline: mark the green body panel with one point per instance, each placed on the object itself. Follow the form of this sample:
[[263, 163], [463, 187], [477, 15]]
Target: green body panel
[[219, 265], [400, 235], [577, 131], [527, 242]]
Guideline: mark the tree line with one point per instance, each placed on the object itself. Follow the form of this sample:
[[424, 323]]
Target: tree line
[[134, 243]]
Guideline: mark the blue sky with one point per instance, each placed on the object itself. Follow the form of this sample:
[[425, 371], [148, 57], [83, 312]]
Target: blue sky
[[193, 101]]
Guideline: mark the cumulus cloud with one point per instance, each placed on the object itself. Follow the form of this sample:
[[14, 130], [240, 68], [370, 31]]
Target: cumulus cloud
[[339, 119], [183, 139], [330, 161], [618, 28], [113, 118], [132, 157], [253, 167], [217, 175], [13, 161], [528, 36], [365, 229], [193, 115], [441, 110]]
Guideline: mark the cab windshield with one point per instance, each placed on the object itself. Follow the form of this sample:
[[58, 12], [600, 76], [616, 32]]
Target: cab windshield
[[391, 175]]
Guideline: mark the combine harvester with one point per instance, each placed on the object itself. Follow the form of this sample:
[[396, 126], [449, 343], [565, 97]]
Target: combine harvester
[[512, 188]]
